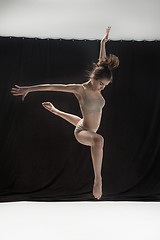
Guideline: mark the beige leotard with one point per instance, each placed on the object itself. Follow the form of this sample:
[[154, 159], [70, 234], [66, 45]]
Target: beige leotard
[[87, 106], [90, 105]]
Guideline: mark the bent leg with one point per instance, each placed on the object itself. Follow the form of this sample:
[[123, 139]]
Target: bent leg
[[97, 156], [96, 142], [85, 137]]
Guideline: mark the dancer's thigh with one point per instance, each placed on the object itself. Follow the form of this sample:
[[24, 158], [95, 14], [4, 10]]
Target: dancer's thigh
[[86, 137]]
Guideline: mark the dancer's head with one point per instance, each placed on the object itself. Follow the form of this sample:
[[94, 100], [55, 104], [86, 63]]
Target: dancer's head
[[101, 75]]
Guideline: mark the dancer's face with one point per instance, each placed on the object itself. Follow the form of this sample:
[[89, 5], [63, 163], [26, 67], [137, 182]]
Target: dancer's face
[[99, 84]]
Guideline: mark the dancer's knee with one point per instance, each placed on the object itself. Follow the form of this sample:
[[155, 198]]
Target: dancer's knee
[[98, 141], [84, 137]]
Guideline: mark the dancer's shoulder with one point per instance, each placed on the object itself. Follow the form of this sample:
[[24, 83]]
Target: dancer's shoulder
[[79, 91], [77, 87]]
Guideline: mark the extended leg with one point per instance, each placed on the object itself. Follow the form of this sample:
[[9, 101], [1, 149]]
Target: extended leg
[[73, 119]]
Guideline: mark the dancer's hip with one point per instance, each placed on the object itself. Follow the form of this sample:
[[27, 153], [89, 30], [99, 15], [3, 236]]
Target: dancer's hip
[[79, 127]]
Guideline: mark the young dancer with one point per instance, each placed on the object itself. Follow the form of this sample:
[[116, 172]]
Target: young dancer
[[91, 103]]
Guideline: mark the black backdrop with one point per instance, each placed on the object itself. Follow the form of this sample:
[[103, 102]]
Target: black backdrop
[[40, 158]]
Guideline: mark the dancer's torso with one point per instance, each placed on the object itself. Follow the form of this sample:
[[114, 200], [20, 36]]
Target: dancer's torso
[[91, 107]]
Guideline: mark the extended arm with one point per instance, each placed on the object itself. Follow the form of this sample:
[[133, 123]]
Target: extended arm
[[54, 87], [72, 88]]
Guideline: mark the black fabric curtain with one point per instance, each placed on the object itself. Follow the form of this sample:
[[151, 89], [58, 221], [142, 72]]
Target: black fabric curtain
[[40, 158]]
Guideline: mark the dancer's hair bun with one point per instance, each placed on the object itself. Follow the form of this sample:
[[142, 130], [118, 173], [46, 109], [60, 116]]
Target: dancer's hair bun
[[111, 61]]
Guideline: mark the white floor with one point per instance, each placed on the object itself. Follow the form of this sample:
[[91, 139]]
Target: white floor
[[80, 220]]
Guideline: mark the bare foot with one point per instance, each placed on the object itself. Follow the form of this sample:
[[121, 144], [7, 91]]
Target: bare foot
[[97, 188], [49, 106]]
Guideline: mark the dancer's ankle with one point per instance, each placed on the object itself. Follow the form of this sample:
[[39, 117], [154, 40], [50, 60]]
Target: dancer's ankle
[[98, 178]]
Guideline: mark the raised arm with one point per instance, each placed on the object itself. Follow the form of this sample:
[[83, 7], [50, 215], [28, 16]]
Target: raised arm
[[102, 54], [72, 88]]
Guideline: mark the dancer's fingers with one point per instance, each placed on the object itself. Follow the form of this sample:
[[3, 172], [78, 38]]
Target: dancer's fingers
[[14, 88], [45, 105]]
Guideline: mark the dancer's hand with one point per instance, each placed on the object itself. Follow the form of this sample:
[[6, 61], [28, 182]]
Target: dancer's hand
[[49, 106], [20, 91], [105, 38]]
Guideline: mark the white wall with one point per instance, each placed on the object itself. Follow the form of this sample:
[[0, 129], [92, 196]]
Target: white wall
[[81, 19]]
